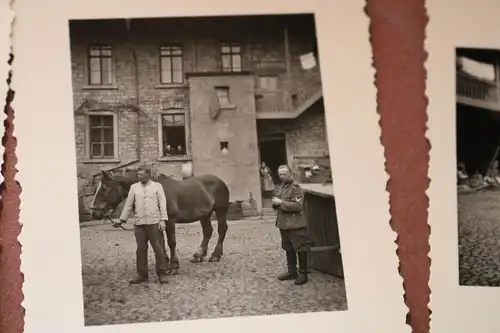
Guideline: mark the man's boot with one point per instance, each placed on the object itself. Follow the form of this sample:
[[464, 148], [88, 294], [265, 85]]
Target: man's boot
[[139, 279], [162, 279], [302, 276], [291, 263]]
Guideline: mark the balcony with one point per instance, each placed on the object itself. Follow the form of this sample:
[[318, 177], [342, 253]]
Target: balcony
[[297, 90], [269, 67], [272, 101], [281, 104], [477, 92]]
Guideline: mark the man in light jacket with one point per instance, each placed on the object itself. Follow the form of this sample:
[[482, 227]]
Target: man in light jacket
[[150, 203]]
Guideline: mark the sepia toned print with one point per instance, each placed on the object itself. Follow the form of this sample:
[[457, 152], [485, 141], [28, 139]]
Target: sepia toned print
[[219, 120], [478, 147]]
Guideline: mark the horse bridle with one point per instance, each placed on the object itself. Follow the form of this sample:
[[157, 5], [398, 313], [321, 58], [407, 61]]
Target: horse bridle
[[107, 217]]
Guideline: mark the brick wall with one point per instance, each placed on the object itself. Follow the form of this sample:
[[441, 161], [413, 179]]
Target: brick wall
[[308, 134], [263, 40]]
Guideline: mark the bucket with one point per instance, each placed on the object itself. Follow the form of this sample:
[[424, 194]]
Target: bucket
[[187, 170], [249, 208], [235, 211]]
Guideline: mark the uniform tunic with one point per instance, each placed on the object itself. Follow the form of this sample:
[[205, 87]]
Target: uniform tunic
[[290, 218]]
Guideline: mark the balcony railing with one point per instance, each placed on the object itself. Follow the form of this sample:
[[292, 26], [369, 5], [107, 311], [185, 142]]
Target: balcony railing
[[272, 101], [269, 66], [477, 92]]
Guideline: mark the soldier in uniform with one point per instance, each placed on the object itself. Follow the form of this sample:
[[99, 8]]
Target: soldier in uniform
[[292, 225]]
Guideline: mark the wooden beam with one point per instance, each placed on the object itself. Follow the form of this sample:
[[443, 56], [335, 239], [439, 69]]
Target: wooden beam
[[492, 106], [116, 167], [325, 248]]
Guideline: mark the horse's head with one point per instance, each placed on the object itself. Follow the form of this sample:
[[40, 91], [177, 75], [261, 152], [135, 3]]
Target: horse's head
[[109, 194]]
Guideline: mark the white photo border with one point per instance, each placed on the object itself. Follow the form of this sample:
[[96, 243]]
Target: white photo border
[[6, 20], [49, 212], [469, 24]]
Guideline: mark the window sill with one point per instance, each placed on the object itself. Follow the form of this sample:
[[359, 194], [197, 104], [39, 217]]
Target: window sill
[[100, 87], [101, 161], [171, 86], [228, 107], [260, 92], [174, 158]]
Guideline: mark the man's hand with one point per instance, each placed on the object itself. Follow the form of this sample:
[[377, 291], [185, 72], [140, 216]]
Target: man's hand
[[162, 225], [276, 201]]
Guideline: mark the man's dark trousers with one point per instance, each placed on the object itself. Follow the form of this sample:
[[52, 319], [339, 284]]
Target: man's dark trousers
[[152, 234]]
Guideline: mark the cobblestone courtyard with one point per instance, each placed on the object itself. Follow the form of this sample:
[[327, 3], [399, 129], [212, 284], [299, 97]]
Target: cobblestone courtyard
[[243, 283], [479, 238]]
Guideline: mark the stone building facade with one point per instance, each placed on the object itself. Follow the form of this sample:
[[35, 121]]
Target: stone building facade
[[222, 93]]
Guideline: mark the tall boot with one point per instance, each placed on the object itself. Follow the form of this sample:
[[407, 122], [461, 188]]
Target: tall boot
[[302, 276], [291, 263]]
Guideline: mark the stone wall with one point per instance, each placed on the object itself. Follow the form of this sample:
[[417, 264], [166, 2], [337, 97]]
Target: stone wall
[[236, 125]]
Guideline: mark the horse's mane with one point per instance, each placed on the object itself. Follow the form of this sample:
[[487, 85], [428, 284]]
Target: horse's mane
[[124, 180], [164, 176], [131, 178]]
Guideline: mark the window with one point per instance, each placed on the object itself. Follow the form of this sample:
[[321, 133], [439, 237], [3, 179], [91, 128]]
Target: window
[[100, 65], [224, 147], [231, 57], [171, 71], [223, 96], [267, 82], [173, 128], [102, 137]]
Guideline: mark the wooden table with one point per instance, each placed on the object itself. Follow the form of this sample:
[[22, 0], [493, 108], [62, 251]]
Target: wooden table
[[320, 212]]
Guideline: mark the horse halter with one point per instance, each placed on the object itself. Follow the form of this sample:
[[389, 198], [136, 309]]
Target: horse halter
[[107, 214]]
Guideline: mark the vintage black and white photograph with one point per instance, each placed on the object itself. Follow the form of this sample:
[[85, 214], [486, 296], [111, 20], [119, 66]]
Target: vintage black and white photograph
[[478, 156], [205, 188]]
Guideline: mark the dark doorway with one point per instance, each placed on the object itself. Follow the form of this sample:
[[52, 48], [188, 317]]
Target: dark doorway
[[273, 152], [478, 135]]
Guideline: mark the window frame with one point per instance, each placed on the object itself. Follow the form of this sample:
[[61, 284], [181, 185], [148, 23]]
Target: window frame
[[224, 106], [187, 135], [88, 145], [171, 57], [231, 54], [88, 84], [265, 77]]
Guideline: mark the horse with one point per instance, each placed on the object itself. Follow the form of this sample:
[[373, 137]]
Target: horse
[[189, 200]]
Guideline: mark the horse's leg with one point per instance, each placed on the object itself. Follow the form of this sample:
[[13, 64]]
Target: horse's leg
[[172, 244], [222, 230], [201, 253]]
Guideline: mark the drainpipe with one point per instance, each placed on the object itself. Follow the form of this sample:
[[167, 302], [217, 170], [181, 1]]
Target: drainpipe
[[289, 104], [128, 21], [287, 50]]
